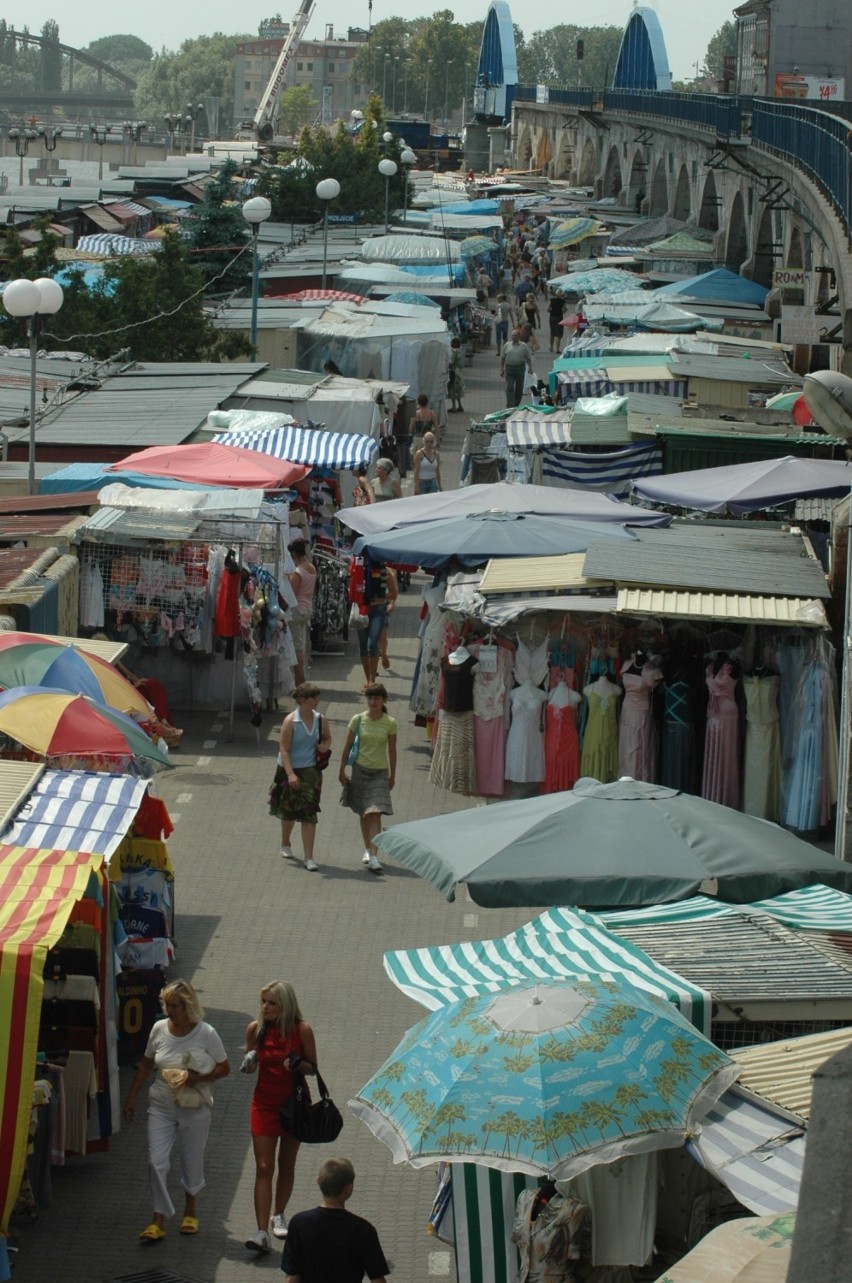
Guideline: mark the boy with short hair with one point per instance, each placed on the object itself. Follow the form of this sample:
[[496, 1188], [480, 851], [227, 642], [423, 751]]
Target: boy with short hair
[[328, 1244]]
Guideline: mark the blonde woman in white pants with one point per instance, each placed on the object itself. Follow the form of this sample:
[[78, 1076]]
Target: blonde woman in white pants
[[188, 1056]]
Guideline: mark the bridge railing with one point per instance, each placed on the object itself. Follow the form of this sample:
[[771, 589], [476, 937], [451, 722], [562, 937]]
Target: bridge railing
[[721, 113], [814, 141], [565, 97]]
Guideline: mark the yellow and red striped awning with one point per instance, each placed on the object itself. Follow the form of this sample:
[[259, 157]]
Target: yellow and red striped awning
[[38, 890]]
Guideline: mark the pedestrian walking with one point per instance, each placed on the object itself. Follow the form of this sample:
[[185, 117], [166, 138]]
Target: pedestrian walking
[[555, 312], [424, 420], [362, 491], [381, 594], [531, 317], [188, 1056], [329, 1244], [303, 581], [386, 485], [455, 377], [368, 791], [515, 361], [427, 467], [505, 318], [303, 746], [279, 1045]]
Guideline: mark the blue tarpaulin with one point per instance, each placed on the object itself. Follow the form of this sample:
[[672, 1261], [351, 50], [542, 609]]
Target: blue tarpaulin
[[718, 286]]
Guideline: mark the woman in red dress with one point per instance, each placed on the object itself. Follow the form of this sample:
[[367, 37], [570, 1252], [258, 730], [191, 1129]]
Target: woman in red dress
[[279, 1045]]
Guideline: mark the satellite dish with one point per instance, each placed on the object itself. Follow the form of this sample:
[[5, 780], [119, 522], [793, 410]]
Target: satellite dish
[[828, 396]]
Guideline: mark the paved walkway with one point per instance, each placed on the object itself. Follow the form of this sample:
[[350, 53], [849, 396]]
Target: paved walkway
[[246, 917]]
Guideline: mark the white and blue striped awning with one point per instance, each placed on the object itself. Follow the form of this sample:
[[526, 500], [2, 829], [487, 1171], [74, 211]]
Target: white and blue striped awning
[[814, 908], [528, 429], [754, 1149], [612, 471], [111, 243], [313, 447], [561, 944], [77, 811]]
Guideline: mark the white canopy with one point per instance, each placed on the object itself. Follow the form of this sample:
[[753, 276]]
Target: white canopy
[[410, 249]]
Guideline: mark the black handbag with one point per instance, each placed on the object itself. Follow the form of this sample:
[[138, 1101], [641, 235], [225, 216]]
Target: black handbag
[[313, 1122], [323, 755]]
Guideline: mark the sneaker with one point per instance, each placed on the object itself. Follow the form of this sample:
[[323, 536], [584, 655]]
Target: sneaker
[[279, 1220], [373, 865], [258, 1242], [367, 857], [311, 866], [287, 852]]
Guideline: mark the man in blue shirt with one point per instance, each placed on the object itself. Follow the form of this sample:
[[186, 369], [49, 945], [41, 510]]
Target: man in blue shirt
[[329, 1244]]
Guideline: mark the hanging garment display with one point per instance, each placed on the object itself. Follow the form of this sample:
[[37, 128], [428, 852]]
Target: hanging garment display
[[721, 777], [762, 769], [491, 682], [600, 739], [525, 741], [227, 617], [805, 804], [637, 746], [425, 694], [561, 740], [677, 756], [453, 763]]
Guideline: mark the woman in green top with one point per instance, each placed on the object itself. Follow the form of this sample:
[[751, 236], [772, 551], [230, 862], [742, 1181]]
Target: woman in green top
[[374, 770]]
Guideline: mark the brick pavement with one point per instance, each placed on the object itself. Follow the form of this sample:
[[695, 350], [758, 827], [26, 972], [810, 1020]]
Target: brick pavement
[[245, 917]]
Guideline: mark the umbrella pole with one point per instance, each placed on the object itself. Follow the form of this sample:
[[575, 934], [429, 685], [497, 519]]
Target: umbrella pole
[[233, 699]]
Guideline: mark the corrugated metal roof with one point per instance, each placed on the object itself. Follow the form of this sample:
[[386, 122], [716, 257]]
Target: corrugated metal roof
[[534, 574], [118, 525], [756, 372], [16, 505], [667, 425], [784, 611], [112, 417], [752, 964], [744, 557], [782, 1072], [17, 781], [101, 218]]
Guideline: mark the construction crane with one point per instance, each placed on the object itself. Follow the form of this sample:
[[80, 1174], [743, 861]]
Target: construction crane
[[262, 125]]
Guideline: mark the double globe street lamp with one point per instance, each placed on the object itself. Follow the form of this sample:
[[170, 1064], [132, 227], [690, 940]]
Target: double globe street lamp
[[387, 168], [407, 158], [255, 211], [327, 189], [32, 301]]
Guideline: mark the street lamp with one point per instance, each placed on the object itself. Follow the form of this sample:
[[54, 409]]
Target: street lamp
[[447, 89], [426, 99], [32, 300], [405, 86], [385, 75], [464, 99], [132, 130], [388, 169], [99, 136], [395, 67], [174, 124], [327, 189], [192, 114], [22, 139], [407, 159], [255, 212], [377, 52], [50, 135]]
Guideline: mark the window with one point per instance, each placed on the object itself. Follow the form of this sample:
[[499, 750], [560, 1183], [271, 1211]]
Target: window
[[331, 66], [310, 66], [247, 84], [298, 66]]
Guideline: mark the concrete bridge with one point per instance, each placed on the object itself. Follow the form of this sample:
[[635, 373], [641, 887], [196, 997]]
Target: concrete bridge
[[771, 179]]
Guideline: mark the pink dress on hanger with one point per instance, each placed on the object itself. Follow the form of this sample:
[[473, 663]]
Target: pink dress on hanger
[[490, 712], [721, 779], [561, 741], [637, 745]]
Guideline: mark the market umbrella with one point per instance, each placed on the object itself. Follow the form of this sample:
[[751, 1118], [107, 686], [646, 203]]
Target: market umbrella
[[574, 230], [544, 1078], [27, 660], [609, 846], [212, 464], [58, 724], [473, 539], [601, 280], [580, 505], [748, 487], [471, 246], [751, 1249]]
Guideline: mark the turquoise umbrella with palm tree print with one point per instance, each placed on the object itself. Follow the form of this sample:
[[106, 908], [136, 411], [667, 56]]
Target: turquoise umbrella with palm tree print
[[545, 1078]]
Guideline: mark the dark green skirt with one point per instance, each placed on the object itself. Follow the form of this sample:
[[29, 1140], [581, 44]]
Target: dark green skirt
[[301, 803]]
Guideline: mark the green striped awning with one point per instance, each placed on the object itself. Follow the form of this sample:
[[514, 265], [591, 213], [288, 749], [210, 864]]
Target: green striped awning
[[560, 944], [814, 908]]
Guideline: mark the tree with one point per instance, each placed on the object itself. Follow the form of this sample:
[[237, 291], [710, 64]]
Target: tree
[[118, 50], [202, 66], [297, 107], [215, 232], [51, 58], [550, 57], [722, 45]]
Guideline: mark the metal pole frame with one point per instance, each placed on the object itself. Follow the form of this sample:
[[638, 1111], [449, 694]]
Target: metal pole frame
[[34, 333], [255, 280], [324, 241], [387, 202]]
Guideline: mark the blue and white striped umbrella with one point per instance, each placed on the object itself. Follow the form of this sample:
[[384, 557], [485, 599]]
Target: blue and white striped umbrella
[[109, 243], [313, 447]]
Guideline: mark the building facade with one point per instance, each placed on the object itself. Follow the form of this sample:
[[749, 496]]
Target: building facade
[[325, 66], [786, 49]]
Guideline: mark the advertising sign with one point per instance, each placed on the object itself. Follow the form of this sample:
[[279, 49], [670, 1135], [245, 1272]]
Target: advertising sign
[[790, 84], [789, 278], [799, 325]]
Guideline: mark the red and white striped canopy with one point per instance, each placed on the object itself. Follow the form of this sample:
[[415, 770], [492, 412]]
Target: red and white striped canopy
[[329, 296]]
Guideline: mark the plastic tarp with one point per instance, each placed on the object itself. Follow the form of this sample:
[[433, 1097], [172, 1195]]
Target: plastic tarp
[[386, 274], [599, 281], [79, 477], [653, 315], [409, 249], [465, 222], [361, 323], [472, 208], [718, 286], [748, 487], [207, 503], [210, 463]]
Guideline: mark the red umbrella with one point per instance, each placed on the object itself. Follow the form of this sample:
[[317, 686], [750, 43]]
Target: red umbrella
[[210, 464]]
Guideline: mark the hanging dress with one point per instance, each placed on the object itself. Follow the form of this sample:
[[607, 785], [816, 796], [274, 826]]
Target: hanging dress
[[561, 741], [637, 746], [530, 663], [490, 711], [599, 758], [677, 756], [802, 808], [424, 696], [525, 741], [762, 770], [721, 777], [453, 764]]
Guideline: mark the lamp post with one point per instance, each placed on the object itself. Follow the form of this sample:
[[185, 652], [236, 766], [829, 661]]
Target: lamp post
[[327, 189], [99, 136], [172, 123], [388, 169], [395, 68], [50, 136], [405, 86], [447, 89], [426, 98], [406, 159], [192, 114], [255, 212], [22, 139], [377, 53], [464, 99], [385, 76], [32, 300], [132, 130]]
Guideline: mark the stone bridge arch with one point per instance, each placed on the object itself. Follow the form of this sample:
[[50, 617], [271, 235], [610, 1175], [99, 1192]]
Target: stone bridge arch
[[524, 147], [612, 181], [708, 213], [637, 185], [587, 169], [736, 241], [659, 194], [682, 203], [763, 259]]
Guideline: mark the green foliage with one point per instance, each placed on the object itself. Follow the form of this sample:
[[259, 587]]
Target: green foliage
[[297, 107], [723, 43], [215, 231], [51, 58], [120, 49], [417, 57], [550, 57], [202, 66]]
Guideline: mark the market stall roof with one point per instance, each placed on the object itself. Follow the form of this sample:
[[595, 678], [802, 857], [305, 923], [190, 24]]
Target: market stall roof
[[120, 526], [505, 496], [312, 447], [210, 503], [344, 321], [755, 1149], [740, 608], [771, 372], [17, 781], [536, 574], [719, 286], [399, 248], [211, 463], [738, 557], [527, 427], [76, 811], [650, 314], [782, 1072], [748, 487], [442, 219]]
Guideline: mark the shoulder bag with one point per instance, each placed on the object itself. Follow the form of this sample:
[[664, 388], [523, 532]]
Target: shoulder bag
[[313, 1122], [356, 744], [323, 755]]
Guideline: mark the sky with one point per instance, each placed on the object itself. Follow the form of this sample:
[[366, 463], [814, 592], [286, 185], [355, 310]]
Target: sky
[[687, 25]]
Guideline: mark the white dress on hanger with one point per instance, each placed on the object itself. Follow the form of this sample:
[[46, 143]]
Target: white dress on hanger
[[525, 742]]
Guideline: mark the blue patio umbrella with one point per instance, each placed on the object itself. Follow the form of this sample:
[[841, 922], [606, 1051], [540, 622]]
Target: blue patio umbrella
[[475, 538], [544, 1078]]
